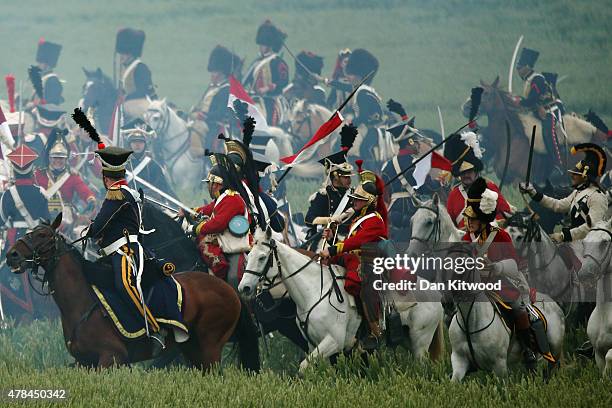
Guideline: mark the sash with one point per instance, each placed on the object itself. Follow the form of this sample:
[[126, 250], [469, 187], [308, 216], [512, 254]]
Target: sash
[[138, 168], [359, 221]]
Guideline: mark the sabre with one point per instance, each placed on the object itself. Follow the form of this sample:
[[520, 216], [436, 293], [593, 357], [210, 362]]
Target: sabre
[[528, 176], [511, 71], [442, 132], [347, 100], [163, 194], [167, 207]]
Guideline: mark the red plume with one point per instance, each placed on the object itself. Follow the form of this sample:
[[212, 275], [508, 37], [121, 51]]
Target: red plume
[[10, 88], [381, 207], [41, 40], [359, 163]]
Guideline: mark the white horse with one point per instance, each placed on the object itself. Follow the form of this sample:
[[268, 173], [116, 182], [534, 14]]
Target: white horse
[[597, 266], [173, 140], [479, 337], [547, 270], [324, 311]]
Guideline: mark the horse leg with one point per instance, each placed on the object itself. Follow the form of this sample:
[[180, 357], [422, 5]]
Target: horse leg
[[460, 364], [325, 348], [607, 370], [110, 358]]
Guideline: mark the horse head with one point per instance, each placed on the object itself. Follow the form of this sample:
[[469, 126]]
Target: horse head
[[38, 247], [258, 263], [597, 252], [156, 114], [298, 115], [97, 90]]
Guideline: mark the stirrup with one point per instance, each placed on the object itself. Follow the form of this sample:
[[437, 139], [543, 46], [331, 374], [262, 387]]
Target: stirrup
[[158, 344]]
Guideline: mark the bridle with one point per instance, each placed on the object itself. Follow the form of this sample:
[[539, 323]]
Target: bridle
[[601, 263], [45, 255], [434, 235]]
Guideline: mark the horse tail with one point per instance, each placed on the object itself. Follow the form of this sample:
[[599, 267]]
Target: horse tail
[[436, 347], [248, 340]]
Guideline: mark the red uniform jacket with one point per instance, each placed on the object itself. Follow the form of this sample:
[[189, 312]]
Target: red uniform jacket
[[504, 248], [220, 211], [365, 229], [456, 204], [73, 186]]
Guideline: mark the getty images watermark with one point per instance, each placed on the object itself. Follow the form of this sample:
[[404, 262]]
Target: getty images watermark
[[423, 266]]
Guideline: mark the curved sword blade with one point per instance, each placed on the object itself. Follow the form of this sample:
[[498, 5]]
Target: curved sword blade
[[511, 70]]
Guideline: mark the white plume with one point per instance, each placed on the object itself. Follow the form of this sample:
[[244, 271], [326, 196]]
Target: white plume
[[488, 201], [472, 140]]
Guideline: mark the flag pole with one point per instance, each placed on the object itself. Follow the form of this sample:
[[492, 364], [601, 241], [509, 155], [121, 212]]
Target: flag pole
[[342, 105]]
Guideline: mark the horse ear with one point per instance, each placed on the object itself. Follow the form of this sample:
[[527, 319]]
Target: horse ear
[[268, 232], [149, 99], [436, 199], [163, 101], [495, 83], [99, 72], [415, 201], [57, 221], [483, 84], [86, 72]]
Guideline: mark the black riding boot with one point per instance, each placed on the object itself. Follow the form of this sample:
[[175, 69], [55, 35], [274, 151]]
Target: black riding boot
[[523, 334]]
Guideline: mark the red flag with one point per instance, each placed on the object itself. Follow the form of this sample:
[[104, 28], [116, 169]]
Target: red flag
[[422, 168], [237, 91], [319, 137]]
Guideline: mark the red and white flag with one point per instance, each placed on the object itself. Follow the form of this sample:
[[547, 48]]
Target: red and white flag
[[422, 168], [237, 91], [313, 144]]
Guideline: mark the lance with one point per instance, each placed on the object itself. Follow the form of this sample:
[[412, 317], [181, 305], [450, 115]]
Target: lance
[[342, 105], [161, 193]]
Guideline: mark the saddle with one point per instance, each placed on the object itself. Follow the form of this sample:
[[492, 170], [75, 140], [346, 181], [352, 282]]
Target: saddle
[[539, 325]]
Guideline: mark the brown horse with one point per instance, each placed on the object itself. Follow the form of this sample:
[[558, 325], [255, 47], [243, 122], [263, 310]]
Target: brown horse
[[212, 310], [500, 107]]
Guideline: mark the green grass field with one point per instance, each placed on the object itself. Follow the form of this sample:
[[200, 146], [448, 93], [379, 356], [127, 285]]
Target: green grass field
[[431, 53]]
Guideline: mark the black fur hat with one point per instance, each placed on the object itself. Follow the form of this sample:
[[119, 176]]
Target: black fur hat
[[480, 205], [130, 41], [223, 60], [310, 60], [48, 53], [461, 154], [361, 63], [527, 58], [270, 35]]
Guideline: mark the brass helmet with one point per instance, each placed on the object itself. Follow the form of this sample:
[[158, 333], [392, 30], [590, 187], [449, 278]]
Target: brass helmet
[[594, 163], [367, 189]]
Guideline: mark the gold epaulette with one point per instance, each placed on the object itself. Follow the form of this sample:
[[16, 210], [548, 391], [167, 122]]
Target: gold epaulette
[[114, 193], [230, 192]]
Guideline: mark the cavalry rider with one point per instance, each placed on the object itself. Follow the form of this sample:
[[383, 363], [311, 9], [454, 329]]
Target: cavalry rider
[[22, 205], [249, 169], [366, 105], [135, 83], [464, 153], [117, 229], [308, 67], [411, 145], [339, 83], [268, 75], [224, 187], [332, 201], [369, 226], [539, 96], [141, 164], [495, 245], [48, 117], [211, 114], [61, 184], [47, 55], [588, 203]]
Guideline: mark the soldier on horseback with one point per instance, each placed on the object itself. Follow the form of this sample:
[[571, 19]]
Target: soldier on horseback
[[22, 205], [367, 107], [339, 83], [464, 153], [222, 231], [495, 245], [268, 75], [540, 96], [47, 55], [332, 203], [211, 113], [369, 226], [61, 184], [587, 204], [141, 164], [305, 85], [135, 83]]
